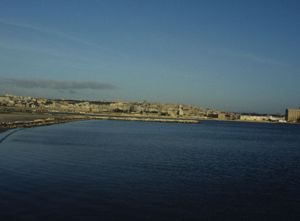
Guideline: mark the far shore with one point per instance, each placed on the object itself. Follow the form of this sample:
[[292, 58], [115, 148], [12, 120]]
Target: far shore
[[23, 119], [10, 120]]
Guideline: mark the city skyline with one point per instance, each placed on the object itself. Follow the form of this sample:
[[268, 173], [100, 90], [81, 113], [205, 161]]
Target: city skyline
[[235, 56]]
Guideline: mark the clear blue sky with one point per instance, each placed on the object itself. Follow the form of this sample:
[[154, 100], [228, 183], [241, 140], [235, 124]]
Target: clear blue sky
[[229, 55]]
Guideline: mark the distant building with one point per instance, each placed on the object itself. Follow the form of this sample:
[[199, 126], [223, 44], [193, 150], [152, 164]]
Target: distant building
[[180, 111], [221, 116], [254, 118], [292, 115], [280, 119]]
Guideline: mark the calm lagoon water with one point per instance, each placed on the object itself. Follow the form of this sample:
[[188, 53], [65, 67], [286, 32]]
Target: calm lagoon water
[[114, 170]]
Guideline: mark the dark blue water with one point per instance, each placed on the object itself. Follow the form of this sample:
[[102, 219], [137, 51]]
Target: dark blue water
[[114, 170]]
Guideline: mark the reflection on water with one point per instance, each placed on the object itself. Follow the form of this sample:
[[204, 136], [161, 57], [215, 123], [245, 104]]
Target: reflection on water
[[113, 170]]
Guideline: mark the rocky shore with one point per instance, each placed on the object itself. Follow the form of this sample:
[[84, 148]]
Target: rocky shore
[[151, 119], [24, 120], [2, 129], [38, 122]]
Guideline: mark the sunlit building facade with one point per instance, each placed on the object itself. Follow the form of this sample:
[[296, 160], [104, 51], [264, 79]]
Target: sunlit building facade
[[292, 115]]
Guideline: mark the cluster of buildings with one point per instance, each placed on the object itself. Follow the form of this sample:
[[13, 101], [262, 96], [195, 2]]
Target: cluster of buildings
[[292, 115], [22, 103], [263, 118], [250, 117]]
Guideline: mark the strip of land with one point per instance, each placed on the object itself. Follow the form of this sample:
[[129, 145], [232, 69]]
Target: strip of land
[[23, 120], [22, 111], [19, 119]]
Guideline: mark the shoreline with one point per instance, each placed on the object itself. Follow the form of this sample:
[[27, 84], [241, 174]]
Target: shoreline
[[247, 121], [27, 120], [3, 129]]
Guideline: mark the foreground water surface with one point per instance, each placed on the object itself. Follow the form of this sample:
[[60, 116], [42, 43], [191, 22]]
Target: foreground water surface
[[114, 170]]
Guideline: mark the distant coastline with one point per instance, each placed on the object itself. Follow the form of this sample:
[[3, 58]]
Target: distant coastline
[[21, 111], [25, 120]]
